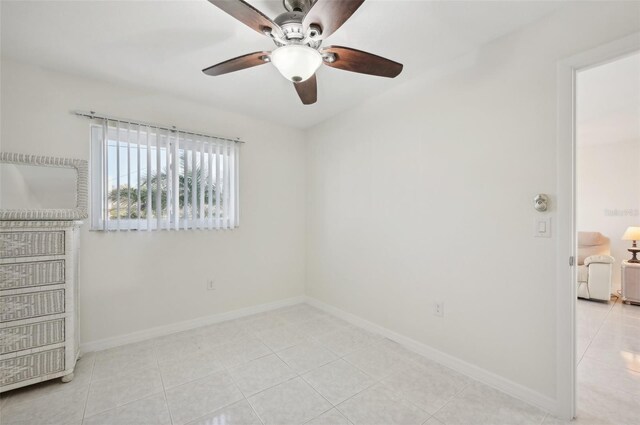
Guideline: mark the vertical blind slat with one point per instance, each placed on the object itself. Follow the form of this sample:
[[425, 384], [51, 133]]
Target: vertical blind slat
[[105, 175], [194, 181], [225, 182], [232, 192], [128, 142], [189, 183], [118, 175], [157, 178], [218, 184], [167, 221], [236, 164], [138, 171], [222, 203], [210, 185], [185, 186], [176, 180], [148, 207], [202, 185]]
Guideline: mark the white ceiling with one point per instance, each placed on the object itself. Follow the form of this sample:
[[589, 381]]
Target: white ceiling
[[608, 103], [163, 45]]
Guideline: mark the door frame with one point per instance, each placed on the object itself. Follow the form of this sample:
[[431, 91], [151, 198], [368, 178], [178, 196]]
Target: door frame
[[566, 361]]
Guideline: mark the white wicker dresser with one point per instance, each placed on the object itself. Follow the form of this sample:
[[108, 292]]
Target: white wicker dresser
[[39, 335]]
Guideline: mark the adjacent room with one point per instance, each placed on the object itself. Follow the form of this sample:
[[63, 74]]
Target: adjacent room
[[323, 212], [607, 217]]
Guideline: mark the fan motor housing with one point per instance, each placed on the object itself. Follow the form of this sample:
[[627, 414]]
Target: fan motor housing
[[292, 21], [291, 25]]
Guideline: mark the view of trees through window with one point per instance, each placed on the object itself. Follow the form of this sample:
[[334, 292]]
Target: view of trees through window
[[141, 187]]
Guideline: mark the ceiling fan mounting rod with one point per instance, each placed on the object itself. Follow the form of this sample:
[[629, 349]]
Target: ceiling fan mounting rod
[[297, 5]]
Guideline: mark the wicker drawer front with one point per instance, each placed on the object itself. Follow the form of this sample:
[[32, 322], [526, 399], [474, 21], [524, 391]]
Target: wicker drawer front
[[31, 244], [24, 275], [35, 304], [31, 335], [31, 366]]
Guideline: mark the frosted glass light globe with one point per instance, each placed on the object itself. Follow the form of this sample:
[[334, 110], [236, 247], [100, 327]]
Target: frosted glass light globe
[[296, 62]]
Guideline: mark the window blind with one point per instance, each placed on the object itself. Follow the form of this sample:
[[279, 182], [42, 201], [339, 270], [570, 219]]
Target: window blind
[[148, 178]]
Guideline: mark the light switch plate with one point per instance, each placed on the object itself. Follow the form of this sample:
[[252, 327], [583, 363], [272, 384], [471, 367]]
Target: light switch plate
[[542, 227]]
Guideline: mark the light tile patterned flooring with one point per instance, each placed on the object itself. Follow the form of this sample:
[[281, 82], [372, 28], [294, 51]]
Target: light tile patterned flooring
[[295, 365], [608, 349]]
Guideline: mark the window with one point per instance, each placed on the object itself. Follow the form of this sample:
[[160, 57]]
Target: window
[[145, 178]]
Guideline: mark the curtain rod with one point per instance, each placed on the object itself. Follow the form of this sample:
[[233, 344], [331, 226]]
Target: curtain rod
[[174, 129]]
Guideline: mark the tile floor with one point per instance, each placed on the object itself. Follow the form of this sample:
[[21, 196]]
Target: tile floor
[[299, 365], [608, 349]]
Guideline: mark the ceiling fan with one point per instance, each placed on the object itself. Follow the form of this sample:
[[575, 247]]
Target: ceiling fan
[[298, 34]]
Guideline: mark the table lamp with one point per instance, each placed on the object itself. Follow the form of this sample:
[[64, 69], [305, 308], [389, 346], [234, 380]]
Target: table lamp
[[632, 234]]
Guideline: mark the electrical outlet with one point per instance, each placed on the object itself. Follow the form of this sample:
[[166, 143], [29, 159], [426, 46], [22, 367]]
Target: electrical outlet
[[438, 309], [211, 285]]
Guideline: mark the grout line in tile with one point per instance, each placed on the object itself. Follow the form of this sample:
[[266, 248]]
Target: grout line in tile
[[164, 391], [219, 408], [376, 380], [451, 399], [127, 404], [428, 419], [545, 418], [226, 369], [604, 319], [86, 400], [618, 368], [244, 396], [299, 375], [316, 417], [317, 392], [254, 410], [379, 380]]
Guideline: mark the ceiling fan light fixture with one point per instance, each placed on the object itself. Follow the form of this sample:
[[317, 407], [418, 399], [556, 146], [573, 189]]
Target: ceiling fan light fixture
[[296, 62]]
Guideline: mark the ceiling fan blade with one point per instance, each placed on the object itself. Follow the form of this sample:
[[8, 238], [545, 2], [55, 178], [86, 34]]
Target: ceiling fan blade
[[236, 64], [248, 15], [354, 60], [329, 15], [307, 90]]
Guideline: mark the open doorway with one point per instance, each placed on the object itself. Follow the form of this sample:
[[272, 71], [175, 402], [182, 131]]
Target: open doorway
[[607, 221]]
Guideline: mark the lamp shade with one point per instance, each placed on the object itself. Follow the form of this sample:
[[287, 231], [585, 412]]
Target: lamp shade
[[296, 62], [631, 234]]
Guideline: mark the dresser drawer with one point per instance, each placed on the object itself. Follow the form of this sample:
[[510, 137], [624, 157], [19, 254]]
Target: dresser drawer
[[24, 275], [31, 335], [31, 244], [33, 304], [31, 366]]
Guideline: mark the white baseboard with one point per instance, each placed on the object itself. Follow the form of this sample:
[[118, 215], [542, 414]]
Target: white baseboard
[[186, 325], [479, 374]]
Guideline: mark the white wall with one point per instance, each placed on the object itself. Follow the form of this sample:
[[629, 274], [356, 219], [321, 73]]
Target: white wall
[[608, 194], [425, 193], [134, 281]]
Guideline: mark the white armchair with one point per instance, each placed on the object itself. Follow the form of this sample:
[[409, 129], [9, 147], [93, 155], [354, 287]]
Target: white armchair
[[594, 266]]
